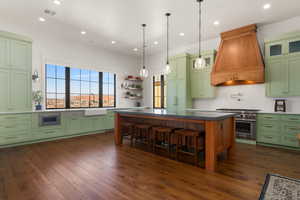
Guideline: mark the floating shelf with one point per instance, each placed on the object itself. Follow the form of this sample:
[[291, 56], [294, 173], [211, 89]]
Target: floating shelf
[[133, 79], [133, 88]]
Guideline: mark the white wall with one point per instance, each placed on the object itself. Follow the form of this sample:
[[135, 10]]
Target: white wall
[[253, 96], [51, 47]]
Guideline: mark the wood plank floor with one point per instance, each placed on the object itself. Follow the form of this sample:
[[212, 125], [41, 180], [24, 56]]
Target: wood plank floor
[[93, 168]]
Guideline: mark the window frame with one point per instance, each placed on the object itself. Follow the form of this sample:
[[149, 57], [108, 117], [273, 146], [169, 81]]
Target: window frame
[[162, 92], [68, 90]]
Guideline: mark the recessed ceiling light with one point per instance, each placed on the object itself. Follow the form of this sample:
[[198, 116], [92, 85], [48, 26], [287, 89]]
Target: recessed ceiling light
[[216, 23], [57, 2], [135, 49], [41, 19], [267, 6], [156, 43], [113, 42], [83, 32], [181, 34]]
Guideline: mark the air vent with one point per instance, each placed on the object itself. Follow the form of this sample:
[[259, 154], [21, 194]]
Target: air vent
[[50, 12]]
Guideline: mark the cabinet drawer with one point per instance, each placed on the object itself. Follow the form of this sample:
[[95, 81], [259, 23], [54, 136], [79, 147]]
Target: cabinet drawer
[[291, 118], [268, 117], [8, 118], [290, 141], [47, 133], [269, 126], [14, 126], [14, 138], [269, 138], [291, 128]]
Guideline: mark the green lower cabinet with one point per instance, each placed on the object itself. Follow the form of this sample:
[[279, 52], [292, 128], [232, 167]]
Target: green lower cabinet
[[278, 129], [15, 128]]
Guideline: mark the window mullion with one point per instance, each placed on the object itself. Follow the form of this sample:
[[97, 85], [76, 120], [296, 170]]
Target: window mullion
[[67, 91]]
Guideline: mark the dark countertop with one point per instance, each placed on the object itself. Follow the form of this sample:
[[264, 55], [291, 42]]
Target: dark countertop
[[196, 115]]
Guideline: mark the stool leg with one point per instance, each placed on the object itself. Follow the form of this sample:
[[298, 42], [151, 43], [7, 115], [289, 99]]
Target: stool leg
[[195, 150], [169, 146], [177, 147], [154, 141]]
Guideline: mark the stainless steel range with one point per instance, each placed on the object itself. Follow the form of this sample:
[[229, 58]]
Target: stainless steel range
[[245, 122]]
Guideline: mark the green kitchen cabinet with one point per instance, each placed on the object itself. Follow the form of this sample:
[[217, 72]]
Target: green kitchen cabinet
[[200, 80], [4, 89], [278, 129], [15, 64], [178, 84], [283, 66], [15, 128], [73, 125]]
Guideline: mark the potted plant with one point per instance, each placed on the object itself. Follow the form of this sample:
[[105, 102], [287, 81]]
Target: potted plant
[[37, 97]]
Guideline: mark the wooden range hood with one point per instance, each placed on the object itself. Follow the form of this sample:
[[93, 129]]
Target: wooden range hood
[[239, 60]]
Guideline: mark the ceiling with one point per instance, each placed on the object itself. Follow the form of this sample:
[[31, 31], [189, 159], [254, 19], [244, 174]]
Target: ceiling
[[120, 20]]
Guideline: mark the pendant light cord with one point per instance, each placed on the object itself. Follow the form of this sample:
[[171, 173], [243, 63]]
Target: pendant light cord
[[144, 45], [200, 1], [168, 15]]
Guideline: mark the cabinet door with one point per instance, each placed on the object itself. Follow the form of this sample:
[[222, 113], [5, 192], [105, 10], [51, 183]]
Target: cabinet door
[[4, 90], [293, 70], [294, 46], [20, 98], [20, 55], [86, 124], [181, 65], [181, 93], [173, 73], [171, 95], [276, 78], [275, 49], [4, 53], [73, 125], [208, 89]]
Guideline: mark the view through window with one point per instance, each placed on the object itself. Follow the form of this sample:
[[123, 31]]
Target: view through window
[[79, 88], [159, 92]]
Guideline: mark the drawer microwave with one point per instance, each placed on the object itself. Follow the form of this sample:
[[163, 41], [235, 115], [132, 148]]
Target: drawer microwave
[[49, 119]]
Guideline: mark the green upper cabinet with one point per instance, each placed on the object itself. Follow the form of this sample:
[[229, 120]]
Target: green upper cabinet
[[178, 83], [15, 73], [4, 89], [4, 52], [283, 66], [20, 55], [200, 83]]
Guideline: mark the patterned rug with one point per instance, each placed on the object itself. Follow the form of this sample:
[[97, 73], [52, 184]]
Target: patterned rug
[[277, 187]]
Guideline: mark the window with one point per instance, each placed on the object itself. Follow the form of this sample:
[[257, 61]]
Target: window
[[159, 92], [84, 88], [55, 86], [108, 90], [79, 88]]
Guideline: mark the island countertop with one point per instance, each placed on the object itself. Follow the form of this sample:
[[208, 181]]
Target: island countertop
[[195, 115]]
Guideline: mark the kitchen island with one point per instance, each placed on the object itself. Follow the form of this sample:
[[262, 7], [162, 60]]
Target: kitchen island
[[219, 127]]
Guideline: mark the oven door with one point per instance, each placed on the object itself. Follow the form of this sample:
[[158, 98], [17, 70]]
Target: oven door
[[245, 129]]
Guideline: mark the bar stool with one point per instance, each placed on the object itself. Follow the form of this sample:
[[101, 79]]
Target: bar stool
[[162, 138], [142, 134], [190, 143], [127, 131]]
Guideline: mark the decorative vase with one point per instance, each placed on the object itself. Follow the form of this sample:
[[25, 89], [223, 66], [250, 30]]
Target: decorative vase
[[38, 107]]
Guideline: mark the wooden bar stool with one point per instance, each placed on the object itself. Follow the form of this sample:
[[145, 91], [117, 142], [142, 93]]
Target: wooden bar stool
[[162, 138], [142, 134], [127, 130], [189, 142]]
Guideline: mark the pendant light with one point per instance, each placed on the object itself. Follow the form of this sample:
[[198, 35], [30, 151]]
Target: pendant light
[[167, 69], [199, 62], [144, 72]]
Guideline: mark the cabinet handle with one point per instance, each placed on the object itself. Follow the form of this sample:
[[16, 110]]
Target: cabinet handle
[[268, 126], [293, 119], [269, 137], [10, 118], [48, 132], [268, 117], [9, 138], [9, 127], [294, 129]]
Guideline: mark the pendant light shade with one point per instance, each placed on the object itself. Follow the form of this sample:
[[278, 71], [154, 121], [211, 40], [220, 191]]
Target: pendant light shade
[[144, 73], [200, 61], [167, 69]]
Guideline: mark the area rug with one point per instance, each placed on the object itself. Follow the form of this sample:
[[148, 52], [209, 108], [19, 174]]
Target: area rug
[[278, 187]]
